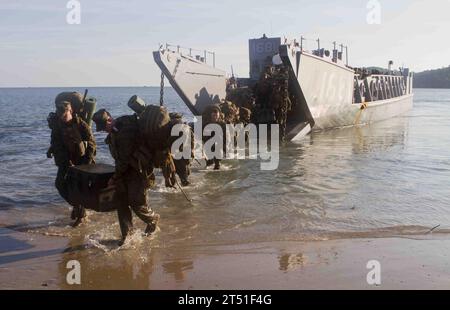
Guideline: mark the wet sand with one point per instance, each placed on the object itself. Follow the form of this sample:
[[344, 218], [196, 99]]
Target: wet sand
[[34, 261]]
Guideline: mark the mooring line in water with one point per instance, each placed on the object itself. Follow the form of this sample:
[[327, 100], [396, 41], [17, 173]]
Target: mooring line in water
[[361, 109]]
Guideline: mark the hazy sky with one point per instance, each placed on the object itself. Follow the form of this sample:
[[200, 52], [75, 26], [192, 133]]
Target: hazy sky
[[112, 46]]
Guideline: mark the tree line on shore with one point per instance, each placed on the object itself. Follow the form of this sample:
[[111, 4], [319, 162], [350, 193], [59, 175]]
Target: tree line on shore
[[438, 78]]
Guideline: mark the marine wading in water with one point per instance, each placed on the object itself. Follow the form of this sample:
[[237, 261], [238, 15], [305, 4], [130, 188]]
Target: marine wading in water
[[136, 153], [72, 142], [141, 142], [266, 102], [138, 143]]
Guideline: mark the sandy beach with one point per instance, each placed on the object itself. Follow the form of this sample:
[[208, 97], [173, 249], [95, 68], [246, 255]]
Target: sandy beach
[[31, 261]]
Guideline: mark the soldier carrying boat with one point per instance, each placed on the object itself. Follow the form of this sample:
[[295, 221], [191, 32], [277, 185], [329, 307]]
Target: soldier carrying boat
[[132, 176], [72, 142]]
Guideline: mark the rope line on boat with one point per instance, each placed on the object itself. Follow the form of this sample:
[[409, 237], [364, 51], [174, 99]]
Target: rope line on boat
[[161, 90], [363, 106]]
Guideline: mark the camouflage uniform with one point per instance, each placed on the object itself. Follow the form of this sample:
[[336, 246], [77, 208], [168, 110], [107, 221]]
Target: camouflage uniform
[[280, 99], [263, 112], [230, 112], [71, 143], [283, 104], [245, 116], [206, 120], [272, 98], [241, 97], [183, 165], [132, 177]]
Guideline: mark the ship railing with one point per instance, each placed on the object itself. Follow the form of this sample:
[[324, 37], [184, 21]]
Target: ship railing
[[379, 87], [204, 56], [393, 74], [320, 47]]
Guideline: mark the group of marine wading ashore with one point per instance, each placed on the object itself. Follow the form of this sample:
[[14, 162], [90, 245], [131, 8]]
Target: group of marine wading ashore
[[142, 142]]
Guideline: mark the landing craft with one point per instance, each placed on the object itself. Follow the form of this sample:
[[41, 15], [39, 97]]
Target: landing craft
[[326, 91]]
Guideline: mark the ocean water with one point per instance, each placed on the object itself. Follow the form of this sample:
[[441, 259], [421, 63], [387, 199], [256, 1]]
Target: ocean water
[[385, 179]]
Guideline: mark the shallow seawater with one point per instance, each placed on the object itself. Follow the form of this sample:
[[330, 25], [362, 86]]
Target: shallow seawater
[[385, 179]]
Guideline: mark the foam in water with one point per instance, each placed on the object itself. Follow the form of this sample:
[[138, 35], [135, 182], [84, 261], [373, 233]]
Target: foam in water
[[107, 241]]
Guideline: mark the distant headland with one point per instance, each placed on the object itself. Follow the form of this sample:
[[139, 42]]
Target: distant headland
[[438, 78]]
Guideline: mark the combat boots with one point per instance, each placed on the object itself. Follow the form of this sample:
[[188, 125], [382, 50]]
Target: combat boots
[[216, 164], [78, 213], [151, 227]]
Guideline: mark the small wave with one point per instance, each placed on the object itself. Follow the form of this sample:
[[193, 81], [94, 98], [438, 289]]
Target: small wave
[[55, 234], [93, 242], [105, 241], [385, 232], [161, 188], [237, 226], [244, 224], [223, 167]]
